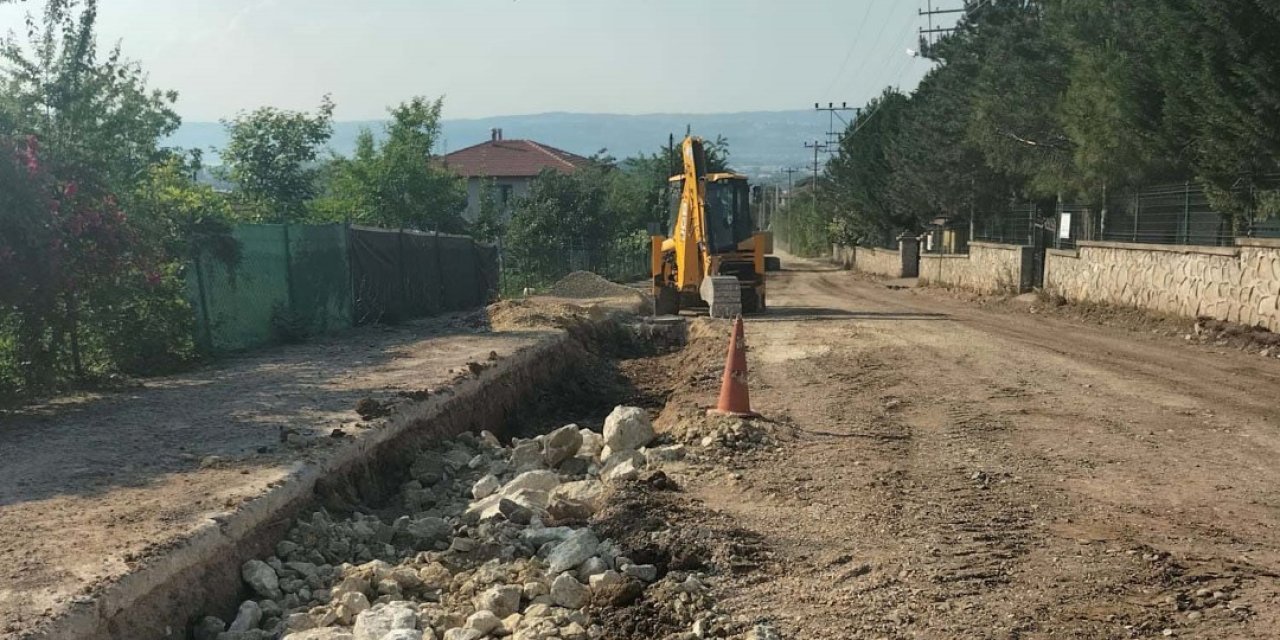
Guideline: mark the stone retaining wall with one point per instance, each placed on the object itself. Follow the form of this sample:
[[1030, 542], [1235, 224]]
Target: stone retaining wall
[[881, 262], [987, 268], [1235, 284]]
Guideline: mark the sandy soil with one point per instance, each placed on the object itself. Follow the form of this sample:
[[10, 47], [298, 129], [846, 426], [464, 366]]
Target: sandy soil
[[949, 471], [92, 485]]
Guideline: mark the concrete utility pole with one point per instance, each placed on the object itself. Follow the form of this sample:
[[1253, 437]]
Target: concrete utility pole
[[928, 36], [833, 114], [790, 183], [817, 147]]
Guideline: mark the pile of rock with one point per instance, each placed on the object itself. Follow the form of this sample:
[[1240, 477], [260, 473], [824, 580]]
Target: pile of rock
[[725, 432], [493, 542]]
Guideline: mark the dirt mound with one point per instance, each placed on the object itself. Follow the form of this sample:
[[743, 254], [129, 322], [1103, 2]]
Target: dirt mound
[[584, 284], [532, 313]]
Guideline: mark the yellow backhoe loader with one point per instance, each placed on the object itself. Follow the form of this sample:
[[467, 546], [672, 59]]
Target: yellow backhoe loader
[[714, 257]]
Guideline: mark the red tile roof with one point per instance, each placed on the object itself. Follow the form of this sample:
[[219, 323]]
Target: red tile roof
[[511, 159]]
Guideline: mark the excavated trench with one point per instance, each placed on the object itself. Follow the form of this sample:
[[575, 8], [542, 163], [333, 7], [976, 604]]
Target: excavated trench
[[575, 378]]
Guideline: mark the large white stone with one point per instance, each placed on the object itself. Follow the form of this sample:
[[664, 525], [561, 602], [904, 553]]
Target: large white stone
[[483, 621], [538, 480], [591, 492], [326, 633], [567, 592], [484, 487], [627, 428], [620, 471], [561, 444], [409, 634], [502, 600], [382, 619], [592, 443]]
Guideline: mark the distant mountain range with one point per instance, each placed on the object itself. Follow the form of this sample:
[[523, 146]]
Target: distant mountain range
[[760, 142]]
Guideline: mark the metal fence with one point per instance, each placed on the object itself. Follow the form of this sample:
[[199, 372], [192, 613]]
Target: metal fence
[[1175, 213], [1014, 226], [625, 260], [1165, 214], [292, 281]]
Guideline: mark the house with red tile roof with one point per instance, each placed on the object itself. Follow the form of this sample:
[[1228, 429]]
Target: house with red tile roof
[[507, 166]]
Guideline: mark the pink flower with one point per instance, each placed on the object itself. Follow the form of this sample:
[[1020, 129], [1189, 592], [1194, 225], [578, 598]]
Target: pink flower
[[30, 155]]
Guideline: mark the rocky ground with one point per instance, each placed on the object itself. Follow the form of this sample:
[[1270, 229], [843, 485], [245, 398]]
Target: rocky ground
[[546, 538]]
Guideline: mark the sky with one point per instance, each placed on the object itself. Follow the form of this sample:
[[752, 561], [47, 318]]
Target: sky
[[502, 57]]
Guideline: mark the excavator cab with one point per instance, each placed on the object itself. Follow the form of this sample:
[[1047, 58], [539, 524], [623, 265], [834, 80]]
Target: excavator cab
[[713, 257], [728, 213]]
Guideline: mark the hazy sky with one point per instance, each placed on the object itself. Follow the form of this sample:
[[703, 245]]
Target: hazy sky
[[498, 57]]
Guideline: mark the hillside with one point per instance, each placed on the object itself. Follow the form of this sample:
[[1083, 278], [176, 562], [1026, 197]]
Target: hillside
[[759, 142]]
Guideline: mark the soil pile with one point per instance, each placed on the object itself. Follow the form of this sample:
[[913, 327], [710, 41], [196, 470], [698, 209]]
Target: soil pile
[[584, 284]]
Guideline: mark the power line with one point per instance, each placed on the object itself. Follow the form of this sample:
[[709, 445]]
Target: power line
[[875, 44], [833, 113], [862, 120], [857, 38]]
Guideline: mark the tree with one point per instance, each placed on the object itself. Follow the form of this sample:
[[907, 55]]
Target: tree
[[1019, 77], [85, 288], [861, 173], [95, 119], [1113, 108], [397, 183], [272, 156], [937, 170], [563, 209], [488, 224], [1219, 66]]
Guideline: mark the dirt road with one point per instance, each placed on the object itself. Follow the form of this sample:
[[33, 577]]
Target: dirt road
[[958, 473]]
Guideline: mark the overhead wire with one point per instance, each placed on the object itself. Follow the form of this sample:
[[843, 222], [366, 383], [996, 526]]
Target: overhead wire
[[903, 65], [857, 38]]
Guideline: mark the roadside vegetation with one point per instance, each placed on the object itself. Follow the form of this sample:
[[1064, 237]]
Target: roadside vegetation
[[1062, 100], [99, 219]]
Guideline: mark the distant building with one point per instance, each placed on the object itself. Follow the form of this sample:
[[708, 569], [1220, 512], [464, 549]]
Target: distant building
[[507, 165]]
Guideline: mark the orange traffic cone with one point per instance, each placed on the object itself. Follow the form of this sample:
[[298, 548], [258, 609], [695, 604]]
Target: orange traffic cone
[[735, 399]]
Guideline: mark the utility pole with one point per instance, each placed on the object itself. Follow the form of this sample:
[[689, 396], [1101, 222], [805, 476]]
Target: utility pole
[[817, 147], [833, 114], [928, 35]]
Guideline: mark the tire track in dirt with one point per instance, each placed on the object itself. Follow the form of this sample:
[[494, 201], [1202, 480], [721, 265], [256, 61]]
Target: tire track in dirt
[[960, 474]]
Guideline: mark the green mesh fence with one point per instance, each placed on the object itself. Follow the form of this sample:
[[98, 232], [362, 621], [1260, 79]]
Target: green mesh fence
[[293, 281], [235, 305], [320, 277]]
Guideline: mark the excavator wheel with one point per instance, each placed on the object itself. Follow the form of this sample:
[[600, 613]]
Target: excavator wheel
[[666, 301]]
